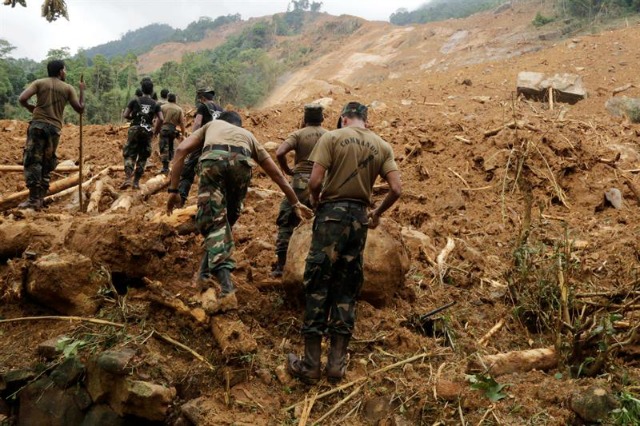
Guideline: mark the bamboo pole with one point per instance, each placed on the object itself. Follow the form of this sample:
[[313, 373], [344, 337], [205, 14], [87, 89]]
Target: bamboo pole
[[60, 185], [16, 168], [80, 154]]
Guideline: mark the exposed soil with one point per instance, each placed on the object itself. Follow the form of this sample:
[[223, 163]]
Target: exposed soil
[[515, 204]]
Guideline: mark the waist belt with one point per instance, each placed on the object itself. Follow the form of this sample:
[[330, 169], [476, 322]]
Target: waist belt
[[346, 203], [228, 148]]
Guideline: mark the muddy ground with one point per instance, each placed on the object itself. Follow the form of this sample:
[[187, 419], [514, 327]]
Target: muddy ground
[[524, 208]]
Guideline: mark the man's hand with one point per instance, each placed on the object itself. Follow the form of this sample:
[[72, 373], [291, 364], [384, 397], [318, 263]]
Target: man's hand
[[302, 211], [173, 202], [374, 219]]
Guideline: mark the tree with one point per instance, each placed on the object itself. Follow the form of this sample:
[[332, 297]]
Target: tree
[[316, 6]]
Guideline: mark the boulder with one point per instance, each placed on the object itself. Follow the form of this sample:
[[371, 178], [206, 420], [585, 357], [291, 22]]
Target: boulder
[[144, 399], [385, 261], [66, 282], [68, 373], [116, 361], [43, 404], [568, 88], [102, 415], [594, 404], [623, 106]]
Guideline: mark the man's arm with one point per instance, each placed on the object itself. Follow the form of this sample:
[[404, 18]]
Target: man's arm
[[395, 190], [197, 123], [281, 155], [25, 96], [78, 105], [315, 183], [187, 146], [274, 173], [183, 125], [158, 122]]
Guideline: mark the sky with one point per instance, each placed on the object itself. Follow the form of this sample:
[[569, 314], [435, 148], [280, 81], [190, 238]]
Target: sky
[[94, 22]]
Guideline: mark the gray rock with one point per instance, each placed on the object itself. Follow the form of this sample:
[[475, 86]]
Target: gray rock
[[68, 373], [623, 106], [594, 404], [48, 349], [102, 415], [116, 362], [614, 197], [43, 404], [567, 88]]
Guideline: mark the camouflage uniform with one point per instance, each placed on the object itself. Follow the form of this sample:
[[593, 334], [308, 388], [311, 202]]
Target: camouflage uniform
[[168, 134], [333, 274], [40, 155], [136, 151], [223, 186]]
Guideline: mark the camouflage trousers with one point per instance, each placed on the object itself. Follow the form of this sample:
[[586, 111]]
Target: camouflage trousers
[[287, 219], [39, 157], [136, 151], [223, 187], [188, 174], [333, 274], [168, 134]]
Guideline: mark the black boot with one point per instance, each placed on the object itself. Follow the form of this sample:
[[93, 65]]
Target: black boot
[[34, 201], [165, 168], [307, 369], [337, 362], [136, 182], [127, 182], [279, 269], [224, 278]]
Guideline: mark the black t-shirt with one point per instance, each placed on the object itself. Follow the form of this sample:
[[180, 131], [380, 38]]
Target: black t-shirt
[[143, 110], [209, 111]]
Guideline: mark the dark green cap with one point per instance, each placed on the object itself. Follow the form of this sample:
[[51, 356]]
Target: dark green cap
[[355, 108]]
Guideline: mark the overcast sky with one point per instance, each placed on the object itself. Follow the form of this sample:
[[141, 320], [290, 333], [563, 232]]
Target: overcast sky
[[94, 22]]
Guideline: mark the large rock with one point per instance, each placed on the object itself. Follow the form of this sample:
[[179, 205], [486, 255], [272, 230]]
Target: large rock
[[594, 404], [623, 106], [385, 261], [568, 88], [66, 282], [43, 404]]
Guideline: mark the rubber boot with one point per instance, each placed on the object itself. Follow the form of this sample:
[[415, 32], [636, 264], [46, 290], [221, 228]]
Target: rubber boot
[[337, 361], [227, 300], [34, 201], [279, 269], [307, 369], [127, 182], [165, 168]]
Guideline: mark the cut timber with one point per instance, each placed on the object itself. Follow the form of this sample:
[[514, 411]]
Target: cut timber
[[9, 168], [154, 185], [96, 195], [515, 362], [182, 220], [233, 337], [55, 187], [122, 203]]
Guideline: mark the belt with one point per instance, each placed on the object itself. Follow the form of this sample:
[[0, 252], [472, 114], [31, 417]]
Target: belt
[[346, 203], [228, 148]]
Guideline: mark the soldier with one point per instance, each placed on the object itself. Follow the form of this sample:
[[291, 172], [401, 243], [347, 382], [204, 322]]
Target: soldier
[[352, 157], [229, 153], [43, 135], [164, 93], [207, 111], [302, 142], [173, 117], [141, 111]]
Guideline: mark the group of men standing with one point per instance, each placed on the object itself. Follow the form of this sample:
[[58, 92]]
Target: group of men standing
[[333, 177]]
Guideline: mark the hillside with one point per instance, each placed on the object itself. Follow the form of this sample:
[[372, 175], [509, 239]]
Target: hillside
[[502, 212]]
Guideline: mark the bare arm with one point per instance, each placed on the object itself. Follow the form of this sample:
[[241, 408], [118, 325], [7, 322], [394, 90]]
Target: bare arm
[[159, 121], [25, 96], [127, 113], [197, 123], [183, 126], [274, 173], [281, 155], [395, 190], [186, 147], [315, 183], [78, 106]]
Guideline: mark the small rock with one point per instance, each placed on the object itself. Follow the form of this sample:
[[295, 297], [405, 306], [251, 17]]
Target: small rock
[[283, 376], [614, 197], [68, 373], [271, 146], [48, 349], [594, 404], [448, 390], [102, 415], [116, 361], [481, 99], [406, 102], [376, 409], [147, 400], [265, 376]]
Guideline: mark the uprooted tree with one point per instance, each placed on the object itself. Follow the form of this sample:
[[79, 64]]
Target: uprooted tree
[[51, 9]]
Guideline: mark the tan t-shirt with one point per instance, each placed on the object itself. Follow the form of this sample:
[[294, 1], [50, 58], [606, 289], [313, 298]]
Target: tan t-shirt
[[52, 95], [172, 114], [219, 132], [354, 158], [302, 142]]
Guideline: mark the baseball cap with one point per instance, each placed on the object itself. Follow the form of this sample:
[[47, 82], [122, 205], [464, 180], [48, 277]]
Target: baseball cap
[[355, 108]]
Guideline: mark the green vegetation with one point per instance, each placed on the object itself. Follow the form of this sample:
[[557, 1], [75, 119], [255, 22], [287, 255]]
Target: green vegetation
[[488, 385], [541, 20], [137, 41], [439, 10]]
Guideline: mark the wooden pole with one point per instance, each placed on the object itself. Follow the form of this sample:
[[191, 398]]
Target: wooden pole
[[80, 154]]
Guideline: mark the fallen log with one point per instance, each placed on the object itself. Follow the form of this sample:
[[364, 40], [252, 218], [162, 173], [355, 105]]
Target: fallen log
[[515, 362], [96, 195], [60, 185], [16, 168], [183, 220], [154, 185], [122, 203], [233, 336], [158, 294]]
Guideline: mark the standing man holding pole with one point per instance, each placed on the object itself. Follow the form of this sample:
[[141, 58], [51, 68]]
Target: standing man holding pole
[[347, 162], [80, 154], [43, 135]]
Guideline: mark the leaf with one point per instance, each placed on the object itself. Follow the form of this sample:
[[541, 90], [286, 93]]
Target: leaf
[[487, 384]]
